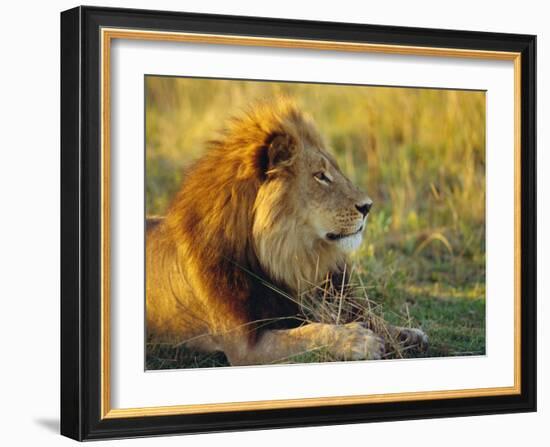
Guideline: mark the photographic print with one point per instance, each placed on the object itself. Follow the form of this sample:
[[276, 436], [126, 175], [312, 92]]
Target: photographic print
[[345, 212], [296, 222]]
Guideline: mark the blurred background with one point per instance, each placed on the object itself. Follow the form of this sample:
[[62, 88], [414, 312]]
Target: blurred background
[[419, 153]]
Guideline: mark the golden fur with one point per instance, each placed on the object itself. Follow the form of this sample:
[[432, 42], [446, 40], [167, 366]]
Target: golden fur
[[263, 213]]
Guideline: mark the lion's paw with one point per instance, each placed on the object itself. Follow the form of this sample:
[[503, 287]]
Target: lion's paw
[[356, 342], [413, 338]]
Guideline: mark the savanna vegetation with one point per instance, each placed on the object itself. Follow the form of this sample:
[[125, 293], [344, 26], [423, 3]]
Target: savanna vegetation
[[419, 153]]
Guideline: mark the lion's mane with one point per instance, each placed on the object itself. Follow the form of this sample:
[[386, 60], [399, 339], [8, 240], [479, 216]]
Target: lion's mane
[[217, 257]]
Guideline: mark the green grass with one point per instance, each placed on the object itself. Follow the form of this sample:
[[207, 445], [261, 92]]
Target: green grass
[[419, 153]]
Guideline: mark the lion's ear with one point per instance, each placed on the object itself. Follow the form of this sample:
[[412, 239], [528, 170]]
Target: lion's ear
[[281, 151]]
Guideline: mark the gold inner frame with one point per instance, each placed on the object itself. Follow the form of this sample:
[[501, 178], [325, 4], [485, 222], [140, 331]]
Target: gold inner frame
[[107, 35]]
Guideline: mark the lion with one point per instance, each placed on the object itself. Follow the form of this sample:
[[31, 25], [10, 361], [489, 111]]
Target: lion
[[265, 211]]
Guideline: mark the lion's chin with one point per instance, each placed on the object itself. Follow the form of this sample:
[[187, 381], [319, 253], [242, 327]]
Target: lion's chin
[[347, 243], [350, 243]]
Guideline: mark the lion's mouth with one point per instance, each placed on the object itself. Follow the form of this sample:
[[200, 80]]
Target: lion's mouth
[[337, 237]]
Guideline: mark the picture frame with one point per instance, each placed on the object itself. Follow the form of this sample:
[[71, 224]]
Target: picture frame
[[87, 35]]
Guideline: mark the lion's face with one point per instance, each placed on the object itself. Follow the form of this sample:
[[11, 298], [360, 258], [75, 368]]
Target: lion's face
[[335, 209], [307, 215]]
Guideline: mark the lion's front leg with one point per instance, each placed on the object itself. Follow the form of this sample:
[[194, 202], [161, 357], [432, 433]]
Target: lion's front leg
[[351, 341]]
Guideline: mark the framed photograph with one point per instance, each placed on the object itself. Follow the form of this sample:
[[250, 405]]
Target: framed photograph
[[277, 223]]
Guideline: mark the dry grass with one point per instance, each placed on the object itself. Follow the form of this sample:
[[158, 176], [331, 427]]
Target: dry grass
[[347, 301]]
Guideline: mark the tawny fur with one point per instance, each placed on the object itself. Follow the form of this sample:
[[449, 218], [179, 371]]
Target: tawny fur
[[262, 214]]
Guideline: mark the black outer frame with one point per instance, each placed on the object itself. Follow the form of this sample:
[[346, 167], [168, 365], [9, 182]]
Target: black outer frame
[[81, 207]]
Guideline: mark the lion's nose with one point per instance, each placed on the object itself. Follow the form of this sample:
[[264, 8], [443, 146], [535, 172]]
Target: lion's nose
[[364, 208]]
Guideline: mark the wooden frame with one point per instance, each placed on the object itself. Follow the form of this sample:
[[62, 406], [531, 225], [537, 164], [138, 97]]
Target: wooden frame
[[86, 35]]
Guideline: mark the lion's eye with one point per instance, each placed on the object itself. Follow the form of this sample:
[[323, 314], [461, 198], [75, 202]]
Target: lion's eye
[[321, 177]]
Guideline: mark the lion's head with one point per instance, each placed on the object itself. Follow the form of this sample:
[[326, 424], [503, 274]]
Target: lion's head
[[268, 191], [308, 214]]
